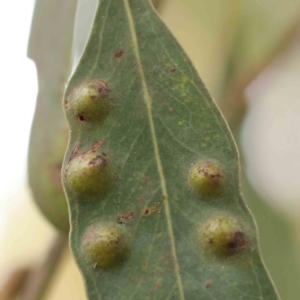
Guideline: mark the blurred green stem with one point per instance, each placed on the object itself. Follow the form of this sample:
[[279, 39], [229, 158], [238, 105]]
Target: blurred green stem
[[233, 99], [39, 280]]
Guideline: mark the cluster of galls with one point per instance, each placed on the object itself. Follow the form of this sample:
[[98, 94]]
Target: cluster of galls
[[89, 175], [221, 235]]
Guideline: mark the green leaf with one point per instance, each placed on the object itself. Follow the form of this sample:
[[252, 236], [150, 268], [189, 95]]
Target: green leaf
[[50, 47], [141, 120]]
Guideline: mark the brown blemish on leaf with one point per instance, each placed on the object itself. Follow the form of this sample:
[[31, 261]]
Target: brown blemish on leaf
[[94, 98], [239, 242], [173, 70], [99, 160], [119, 54], [103, 90], [208, 286], [164, 197], [74, 153], [123, 218], [146, 211], [205, 172], [96, 145], [67, 105], [141, 199], [146, 180], [75, 150], [159, 286]]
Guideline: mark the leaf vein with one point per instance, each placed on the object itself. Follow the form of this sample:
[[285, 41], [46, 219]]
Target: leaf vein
[[148, 102]]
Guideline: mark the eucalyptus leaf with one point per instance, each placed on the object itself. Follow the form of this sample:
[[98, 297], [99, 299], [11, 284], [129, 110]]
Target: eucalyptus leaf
[[143, 127]]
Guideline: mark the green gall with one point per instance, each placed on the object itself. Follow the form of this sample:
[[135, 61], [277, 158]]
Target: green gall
[[223, 235], [90, 174], [90, 102], [105, 246], [206, 177]]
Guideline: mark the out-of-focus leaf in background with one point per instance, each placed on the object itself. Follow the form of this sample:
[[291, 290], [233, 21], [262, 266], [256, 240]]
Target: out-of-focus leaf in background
[[50, 47], [214, 31]]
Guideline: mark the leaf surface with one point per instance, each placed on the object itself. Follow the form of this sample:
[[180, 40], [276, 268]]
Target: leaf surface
[[163, 122]]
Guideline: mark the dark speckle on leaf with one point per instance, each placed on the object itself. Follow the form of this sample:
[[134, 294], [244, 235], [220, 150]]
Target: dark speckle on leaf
[[238, 242], [119, 54]]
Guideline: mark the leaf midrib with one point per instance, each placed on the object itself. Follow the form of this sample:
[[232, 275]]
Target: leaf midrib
[[148, 102]]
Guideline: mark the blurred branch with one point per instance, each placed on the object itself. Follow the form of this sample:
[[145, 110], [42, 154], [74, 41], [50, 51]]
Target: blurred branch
[[39, 280], [14, 284], [234, 93], [231, 32]]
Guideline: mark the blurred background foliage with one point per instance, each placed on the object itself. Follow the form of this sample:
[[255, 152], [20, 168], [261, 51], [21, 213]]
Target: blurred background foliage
[[246, 52]]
